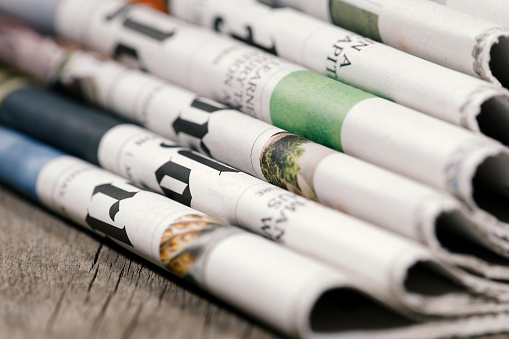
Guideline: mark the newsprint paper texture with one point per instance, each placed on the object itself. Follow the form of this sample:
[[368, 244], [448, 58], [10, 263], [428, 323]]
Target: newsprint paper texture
[[423, 28], [281, 158], [496, 323], [388, 263], [361, 62], [294, 295], [295, 99], [276, 286], [288, 292], [495, 11]]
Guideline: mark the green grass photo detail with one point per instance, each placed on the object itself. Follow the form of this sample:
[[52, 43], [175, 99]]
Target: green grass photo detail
[[280, 160]]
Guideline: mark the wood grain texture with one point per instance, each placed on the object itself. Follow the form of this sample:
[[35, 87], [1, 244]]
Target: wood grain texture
[[60, 281]]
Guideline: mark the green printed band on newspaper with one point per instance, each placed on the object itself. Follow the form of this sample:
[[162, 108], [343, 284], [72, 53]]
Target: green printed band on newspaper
[[314, 106], [355, 19]]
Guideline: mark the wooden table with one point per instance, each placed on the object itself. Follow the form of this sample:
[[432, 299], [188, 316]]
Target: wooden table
[[59, 281]]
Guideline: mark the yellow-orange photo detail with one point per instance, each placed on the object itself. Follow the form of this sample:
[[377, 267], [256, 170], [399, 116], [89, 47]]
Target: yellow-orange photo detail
[[179, 248], [157, 4]]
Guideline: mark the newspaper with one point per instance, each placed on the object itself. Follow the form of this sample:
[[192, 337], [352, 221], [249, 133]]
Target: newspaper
[[286, 160], [360, 62], [391, 266], [257, 277], [423, 28], [268, 282], [473, 326], [288, 292], [495, 10], [294, 99]]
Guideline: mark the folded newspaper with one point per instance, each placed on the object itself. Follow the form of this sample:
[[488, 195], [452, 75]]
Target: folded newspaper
[[473, 168], [286, 291], [427, 227], [423, 28], [390, 265], [472, 326], [284, 159], [290, 293], [495, 11], [357, 61]]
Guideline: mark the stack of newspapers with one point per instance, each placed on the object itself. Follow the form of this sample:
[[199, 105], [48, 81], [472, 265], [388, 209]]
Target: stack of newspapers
[[335, 169]]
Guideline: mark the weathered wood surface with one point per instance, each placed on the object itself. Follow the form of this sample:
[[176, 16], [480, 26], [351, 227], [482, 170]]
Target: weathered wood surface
[[58, 281]]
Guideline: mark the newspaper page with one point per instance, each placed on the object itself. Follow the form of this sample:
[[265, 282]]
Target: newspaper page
[[281, 158], [157, 105], [284, 159], [218, 258], [387, 262], [488, 324], [295, 99], [423, 28], [494, 10], [274, 285], [360, 62], [282, 290]]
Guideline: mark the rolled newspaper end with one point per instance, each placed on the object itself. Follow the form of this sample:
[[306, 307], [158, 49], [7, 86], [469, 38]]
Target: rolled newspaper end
[[495, 11], [284, 290], [428, 30], [316, 172], [340, 54], [290, 97]]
